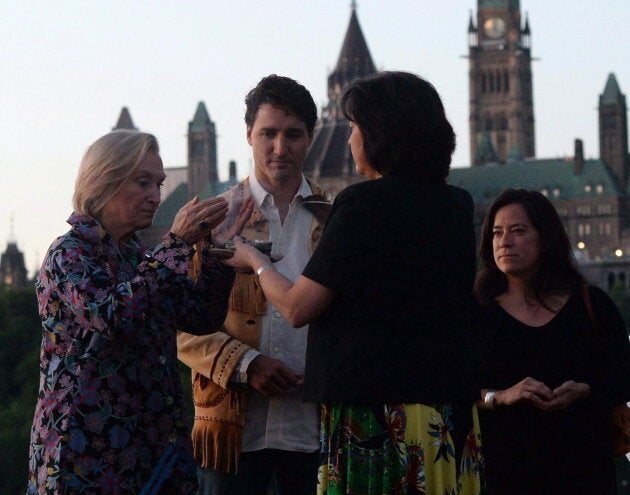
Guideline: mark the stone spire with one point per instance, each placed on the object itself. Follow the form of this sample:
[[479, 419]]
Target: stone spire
[[354, 61], [613, 130], [611, 93], [329, 160], [202, 151], [124, 121], [12, 267]]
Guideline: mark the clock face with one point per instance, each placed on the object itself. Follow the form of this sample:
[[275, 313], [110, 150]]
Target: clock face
[[494, 27]]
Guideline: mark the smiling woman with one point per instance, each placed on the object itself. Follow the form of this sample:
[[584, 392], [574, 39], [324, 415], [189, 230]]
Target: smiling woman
[[109, 416]]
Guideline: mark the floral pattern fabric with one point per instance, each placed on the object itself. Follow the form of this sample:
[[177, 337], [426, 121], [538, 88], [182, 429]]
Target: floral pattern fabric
[[109, 417], [401, 449]]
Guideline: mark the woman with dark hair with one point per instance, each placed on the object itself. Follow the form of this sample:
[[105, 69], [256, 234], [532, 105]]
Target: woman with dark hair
[[387, 296], [549, 371]]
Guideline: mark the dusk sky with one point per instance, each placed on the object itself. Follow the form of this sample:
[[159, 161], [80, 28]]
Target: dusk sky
[[68, 67]]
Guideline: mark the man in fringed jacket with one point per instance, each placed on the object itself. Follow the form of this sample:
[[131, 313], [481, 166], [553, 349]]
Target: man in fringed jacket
[[250, 422]]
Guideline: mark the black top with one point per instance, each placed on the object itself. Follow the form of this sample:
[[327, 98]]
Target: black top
[[400, 257], [526, 448]]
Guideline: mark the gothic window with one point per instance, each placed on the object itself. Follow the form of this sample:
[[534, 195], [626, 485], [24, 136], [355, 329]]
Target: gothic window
[[502, 123], [497, 78], [489, 126], [491, 81], [483, 82], [506, 82]]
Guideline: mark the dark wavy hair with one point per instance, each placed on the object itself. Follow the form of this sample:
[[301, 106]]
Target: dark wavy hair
[[285, 93], [403, 123], [557, 270]]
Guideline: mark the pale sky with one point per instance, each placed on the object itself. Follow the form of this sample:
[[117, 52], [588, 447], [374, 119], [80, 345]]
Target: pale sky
[[68, 67]]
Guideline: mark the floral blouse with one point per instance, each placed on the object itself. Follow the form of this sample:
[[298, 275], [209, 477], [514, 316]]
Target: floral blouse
[[109, 417]]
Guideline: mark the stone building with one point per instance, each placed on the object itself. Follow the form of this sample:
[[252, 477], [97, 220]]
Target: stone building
[[500, 84], [329, 161], [12, 268], [591, 195]]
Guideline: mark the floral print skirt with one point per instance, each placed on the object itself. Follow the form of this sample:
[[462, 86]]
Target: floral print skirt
[[402, 449]]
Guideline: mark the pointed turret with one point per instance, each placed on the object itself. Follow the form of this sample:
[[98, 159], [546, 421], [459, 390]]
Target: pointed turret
[[202, 151], [124, 121], [201, 118], [354, 58], [12, 267], [613, 130], [526, 29], [611, 93], [354, 61], [329, 160], [472, 31]]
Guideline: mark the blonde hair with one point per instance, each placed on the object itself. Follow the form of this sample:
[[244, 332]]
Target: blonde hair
[[106, 165]]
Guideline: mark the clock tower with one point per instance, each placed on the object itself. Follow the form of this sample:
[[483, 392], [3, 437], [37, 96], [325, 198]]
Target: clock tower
[[500, 83]]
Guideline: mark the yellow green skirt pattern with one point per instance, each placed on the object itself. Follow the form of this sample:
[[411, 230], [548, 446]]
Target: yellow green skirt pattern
[[401, 449]]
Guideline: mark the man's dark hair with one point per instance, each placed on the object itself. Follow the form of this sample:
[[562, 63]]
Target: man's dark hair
[[284, 93], [556, 271], [403, 123]]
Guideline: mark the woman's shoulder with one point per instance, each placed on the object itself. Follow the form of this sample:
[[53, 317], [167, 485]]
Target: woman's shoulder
[[601, 301]]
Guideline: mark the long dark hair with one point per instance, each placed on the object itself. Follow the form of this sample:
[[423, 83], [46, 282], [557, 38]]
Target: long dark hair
[[403, 123], [557, 270]]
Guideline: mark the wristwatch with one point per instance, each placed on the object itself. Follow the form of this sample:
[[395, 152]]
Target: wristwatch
[[488, 399]]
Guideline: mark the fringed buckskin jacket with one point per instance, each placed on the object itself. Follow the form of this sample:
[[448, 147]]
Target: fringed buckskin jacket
[[220, 406]]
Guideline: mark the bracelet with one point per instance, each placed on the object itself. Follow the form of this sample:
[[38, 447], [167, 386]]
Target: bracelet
[[263, 268], [488, 399]]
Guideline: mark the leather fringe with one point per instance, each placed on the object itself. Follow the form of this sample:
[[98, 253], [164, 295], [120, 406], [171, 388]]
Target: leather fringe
[[217, 445]]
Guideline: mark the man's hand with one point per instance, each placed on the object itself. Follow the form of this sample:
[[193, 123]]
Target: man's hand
[[272, 377]]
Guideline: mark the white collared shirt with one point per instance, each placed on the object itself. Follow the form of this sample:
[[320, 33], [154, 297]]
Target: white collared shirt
[[284, 423]]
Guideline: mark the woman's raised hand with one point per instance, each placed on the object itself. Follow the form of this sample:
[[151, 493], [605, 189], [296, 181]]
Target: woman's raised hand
[[236, 218], [196, 219]]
